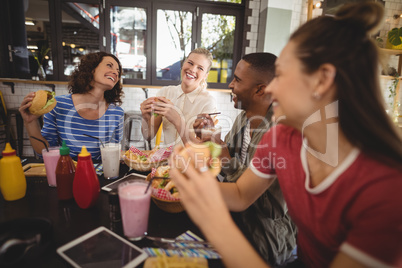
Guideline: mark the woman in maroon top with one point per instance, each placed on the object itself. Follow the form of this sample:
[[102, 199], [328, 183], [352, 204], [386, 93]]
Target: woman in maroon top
[[336, 154]]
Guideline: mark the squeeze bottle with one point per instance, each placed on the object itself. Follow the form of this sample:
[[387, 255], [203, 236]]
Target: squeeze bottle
[[65, 172], [12, 178], [86, 184]]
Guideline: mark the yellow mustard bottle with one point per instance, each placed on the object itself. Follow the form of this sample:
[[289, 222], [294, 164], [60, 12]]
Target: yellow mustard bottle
[[13, 184]]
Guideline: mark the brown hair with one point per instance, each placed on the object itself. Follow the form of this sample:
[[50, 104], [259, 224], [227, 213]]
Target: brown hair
[[81, 78], [343, 41]]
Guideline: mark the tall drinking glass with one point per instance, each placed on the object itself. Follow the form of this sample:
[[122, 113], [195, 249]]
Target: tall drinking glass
[[211, 133], [50, 159], [134, 205], [111, 160]]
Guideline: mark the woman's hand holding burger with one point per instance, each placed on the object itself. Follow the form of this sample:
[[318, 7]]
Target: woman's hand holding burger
[[199, 189], [164, 107], [146, 108], [25, 104], [36, 104], [200, 155]]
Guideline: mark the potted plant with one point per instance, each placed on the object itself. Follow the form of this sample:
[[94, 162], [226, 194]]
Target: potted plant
[[394, 38], [40, 57]]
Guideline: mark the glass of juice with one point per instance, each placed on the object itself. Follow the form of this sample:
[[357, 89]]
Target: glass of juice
[[50, 159], [134, 205], [111, 160], [211, 133]]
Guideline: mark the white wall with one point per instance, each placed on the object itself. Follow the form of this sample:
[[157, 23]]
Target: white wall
[[282, 17], [274, 35], [277, 30]]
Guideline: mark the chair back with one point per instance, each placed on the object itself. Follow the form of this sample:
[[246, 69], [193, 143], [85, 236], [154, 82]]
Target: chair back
[[3, 111], [132, 135]]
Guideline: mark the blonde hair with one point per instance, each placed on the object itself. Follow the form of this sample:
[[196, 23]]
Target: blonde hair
[[208, 56]]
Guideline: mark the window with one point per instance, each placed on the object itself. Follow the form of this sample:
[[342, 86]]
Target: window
[[38, 41], [174, 38], [151, 38], [128, 33], [80, 33], [217, 34]]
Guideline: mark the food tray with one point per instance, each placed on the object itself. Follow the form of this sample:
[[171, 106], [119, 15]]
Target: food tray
[[171, 206]]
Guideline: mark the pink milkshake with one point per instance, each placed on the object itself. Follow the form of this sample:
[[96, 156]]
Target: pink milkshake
[[50, 159], [134, 204]]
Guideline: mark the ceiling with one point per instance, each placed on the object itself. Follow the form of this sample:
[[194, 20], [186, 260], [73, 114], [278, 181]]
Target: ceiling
[[38, 10]]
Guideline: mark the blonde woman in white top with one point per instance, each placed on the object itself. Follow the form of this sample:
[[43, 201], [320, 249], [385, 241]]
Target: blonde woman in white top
[[178, 106]]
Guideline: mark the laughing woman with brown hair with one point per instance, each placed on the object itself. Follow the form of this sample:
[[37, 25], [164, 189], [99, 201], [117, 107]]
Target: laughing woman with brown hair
[[91, 108]]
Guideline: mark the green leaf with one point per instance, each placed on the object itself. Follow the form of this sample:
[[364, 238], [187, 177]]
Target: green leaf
[[215, 149], [162, 184], [48, 103], [394, 36]]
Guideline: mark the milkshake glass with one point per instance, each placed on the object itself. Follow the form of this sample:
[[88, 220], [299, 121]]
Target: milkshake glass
[[50, 159], [134, 205], [111, 160]]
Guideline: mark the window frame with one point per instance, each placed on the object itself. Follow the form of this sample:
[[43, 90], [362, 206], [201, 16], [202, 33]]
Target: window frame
[[55, 18], [237, 45], [168, 6], [139, 4], [197, 7]]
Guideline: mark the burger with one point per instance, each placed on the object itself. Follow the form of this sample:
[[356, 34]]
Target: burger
[[43, 102], [162, 181], [157, 100], [162, 171], [205, 154]]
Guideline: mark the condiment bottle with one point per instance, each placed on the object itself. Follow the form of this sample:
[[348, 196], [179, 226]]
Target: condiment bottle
[[86, 184], [12, 178], [114, 211], [65, 172]]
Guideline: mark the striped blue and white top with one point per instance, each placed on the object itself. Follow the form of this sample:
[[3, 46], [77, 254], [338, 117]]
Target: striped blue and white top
[[64, 123]]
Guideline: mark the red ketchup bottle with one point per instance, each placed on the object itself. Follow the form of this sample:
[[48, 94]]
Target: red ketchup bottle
[[86, 184], [65, 172]]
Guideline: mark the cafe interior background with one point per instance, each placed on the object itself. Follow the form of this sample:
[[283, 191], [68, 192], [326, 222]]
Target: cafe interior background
[[42, 41]]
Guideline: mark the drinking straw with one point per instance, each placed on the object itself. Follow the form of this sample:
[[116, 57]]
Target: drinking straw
[[158, 135], [44, 143], [111, 137], [96, 138], [149, 184]]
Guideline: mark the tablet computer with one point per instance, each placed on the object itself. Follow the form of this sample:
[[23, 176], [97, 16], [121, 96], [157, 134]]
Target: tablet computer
[[113, 186], [102, 248]]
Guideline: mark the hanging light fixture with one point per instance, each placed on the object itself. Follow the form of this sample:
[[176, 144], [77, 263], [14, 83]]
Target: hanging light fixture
[[318, 5], [397, 16]]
